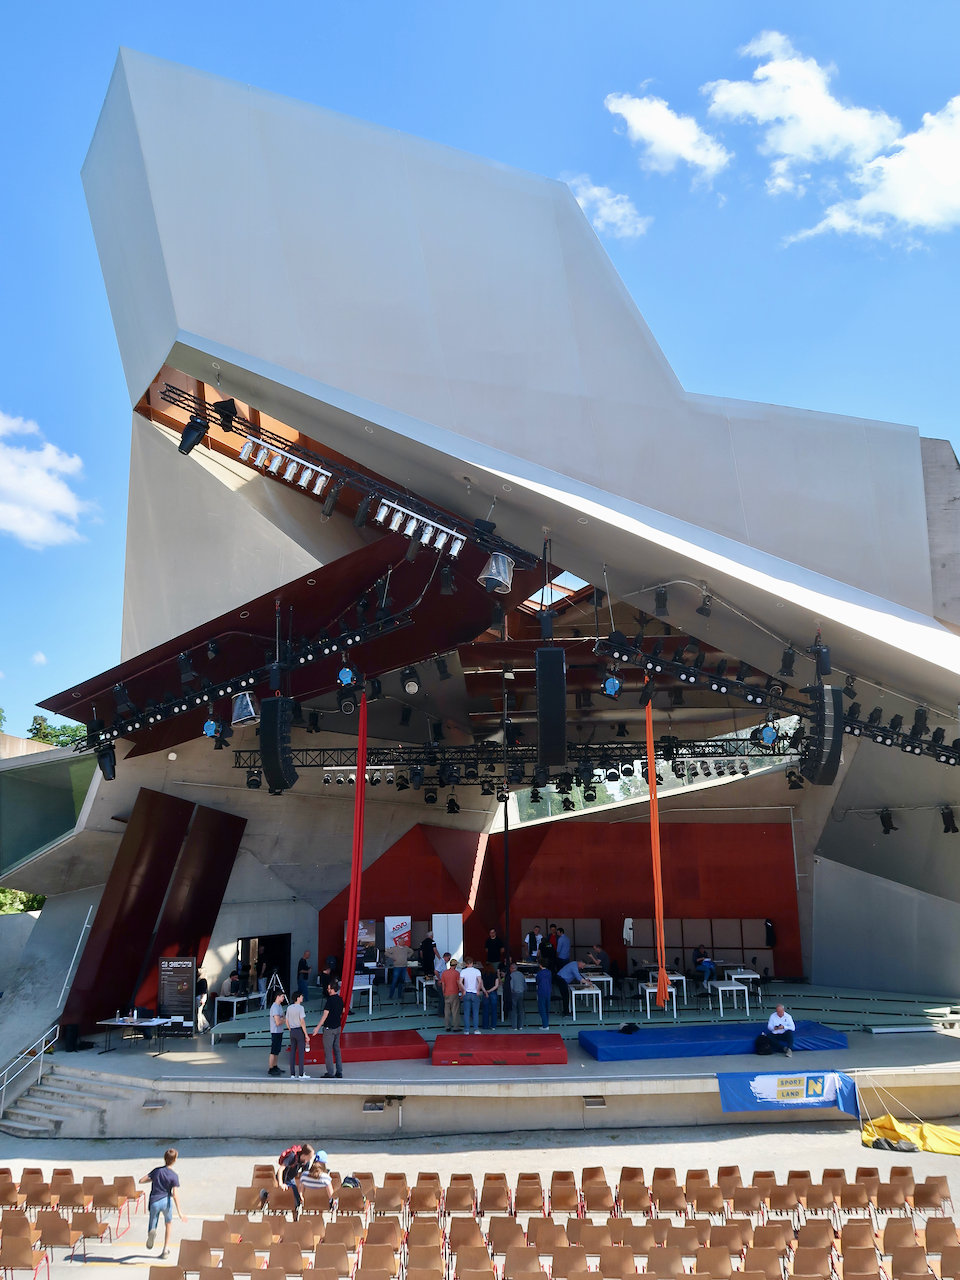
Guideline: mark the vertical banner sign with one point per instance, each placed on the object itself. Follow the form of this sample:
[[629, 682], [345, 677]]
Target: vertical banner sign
[[176, 987], [771, 1092], [396, 930]]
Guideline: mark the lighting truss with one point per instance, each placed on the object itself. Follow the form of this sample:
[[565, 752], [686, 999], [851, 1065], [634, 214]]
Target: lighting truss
[[395, 510]]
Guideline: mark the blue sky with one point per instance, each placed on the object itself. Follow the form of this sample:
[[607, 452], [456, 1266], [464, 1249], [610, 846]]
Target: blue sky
[[779, 187]]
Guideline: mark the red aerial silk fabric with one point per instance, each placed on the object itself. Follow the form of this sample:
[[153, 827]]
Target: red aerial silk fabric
[[356, 869]]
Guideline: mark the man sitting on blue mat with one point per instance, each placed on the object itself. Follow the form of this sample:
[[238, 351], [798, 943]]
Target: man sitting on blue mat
[[780, 1031]]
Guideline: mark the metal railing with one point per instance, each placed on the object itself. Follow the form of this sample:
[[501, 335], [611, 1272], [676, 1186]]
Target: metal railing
[[32, 1056]]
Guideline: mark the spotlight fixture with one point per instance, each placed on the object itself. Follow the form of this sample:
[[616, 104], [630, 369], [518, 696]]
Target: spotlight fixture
[[330, 501], [896, 724], [611, 772], [416, 777], [590, 793], [718, 682], [327, 779], [452, 805], [744, 768], [849, 689], [653, 662], [107, 762], [646, 694], [938, 736], [410, 681], [363, 511], [254, 779], [122, 701], [535, 796], [347, 701], [486, 787], [618, 647], [611, 686], [794, 781], [403, 782], [886, 821], [919, 727], [787, 660], [626, 769], [246, 449], [660, 603], [374, 778], [227, 410], [949, 823], [706, 604], [743, 670], [567, 805], [875, 716], [192, 434], [187, 672], [210, 728], [852, 717]]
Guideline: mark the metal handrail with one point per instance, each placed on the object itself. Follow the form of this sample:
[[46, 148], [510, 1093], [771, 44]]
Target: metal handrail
[[32, 1055]]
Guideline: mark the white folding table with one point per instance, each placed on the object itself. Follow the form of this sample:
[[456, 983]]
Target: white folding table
[[731, 988], [363, 982], [586, 993], [650, 988]]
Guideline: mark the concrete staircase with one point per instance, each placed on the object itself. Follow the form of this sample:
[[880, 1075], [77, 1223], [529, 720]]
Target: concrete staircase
[[70, 1102]]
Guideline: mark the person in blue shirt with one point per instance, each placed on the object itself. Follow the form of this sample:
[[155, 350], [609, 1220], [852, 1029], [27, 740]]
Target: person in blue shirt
[[544, 991], [705, 969], [563, 947], [163, 1196]]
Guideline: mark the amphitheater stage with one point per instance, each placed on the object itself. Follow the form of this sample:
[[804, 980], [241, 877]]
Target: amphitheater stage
[[197, 1091], [706, 1040]]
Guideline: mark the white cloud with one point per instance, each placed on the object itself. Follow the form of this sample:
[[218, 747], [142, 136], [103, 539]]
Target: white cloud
[[916, 187], [803, 122], [37, 505], [667, 138], [610, 213], [39, 659]]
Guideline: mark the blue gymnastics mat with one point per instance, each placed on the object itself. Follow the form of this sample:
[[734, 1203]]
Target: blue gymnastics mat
[[704, 1040]]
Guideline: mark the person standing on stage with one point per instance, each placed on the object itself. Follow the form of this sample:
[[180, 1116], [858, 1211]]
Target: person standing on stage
[[299, 1043], [472, 983], [533, 942], [452, 989], [303, 975], [518, 989], [277, 1023], [544, 992], [330, 1023], [429, 956]]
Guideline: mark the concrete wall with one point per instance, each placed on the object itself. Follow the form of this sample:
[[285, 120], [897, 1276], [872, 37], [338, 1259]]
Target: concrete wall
[[869, 932], [15, 930], [11, 746], [941, 480]]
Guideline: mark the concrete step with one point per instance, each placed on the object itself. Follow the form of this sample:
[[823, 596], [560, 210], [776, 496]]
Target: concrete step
[[96, 1084], [22, 1129], [72, 1099], [25, 1108]]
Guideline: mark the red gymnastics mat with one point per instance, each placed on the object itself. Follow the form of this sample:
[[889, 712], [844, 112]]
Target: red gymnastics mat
[[372, 1046], [485, 1050]]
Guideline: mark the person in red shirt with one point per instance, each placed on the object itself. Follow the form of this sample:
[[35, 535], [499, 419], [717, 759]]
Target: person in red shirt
[[452, 989]]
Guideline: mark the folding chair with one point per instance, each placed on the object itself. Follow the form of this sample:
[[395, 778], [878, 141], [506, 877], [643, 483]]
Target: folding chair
[[528, 1196], [385, 1230], [347, 1230], [855, 1199], [892, 1198], [261, 1235], [669, 1199], [767, 1261], [424, 1257], [665, 1263], [940, 1234], [518, 1258], [729, 1237], [280, 1200], [57, 1233], [950, 1262], [464, 1233], [247, 1199], [216, 1233], [424, 1273], [746, 1227], [748, 1201], [194, 1254], [685, 1238], [617, 1262], [460, 1196], [565, 1261], [504, 1234], [307, 1233], [774, 1235], [857, 1233], [288, 1256], [634, 1198], [128, 1187], [316, 1201], [784, 1201], [813, 1262], [494, 1194], [380, 1257], [472, 1257], [350, 1200], [899, 1233], [424, 1234], [708, 1200], [861, 1262], [391, 1198], [564, 1197], [597, 1198], [371, 1273], [16, 1223], [931, 1195], [86, 1220], [332, 1257], [817, 1234], [319, 1273], [546, 1235], [593, 1236], [71, 1195], [424, 1200], [908, 1260], [714, 1260], [16, 1255]]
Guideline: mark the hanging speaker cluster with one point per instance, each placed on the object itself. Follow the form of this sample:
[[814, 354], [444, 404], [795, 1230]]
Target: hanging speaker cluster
[[276, 759], [823, 743]]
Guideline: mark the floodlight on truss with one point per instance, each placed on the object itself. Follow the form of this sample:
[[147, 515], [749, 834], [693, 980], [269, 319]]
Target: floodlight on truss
[[427, 532]]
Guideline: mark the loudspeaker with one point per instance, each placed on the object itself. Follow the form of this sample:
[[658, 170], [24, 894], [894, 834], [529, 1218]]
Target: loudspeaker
[[276, 719], [551, 706], [70, 1037], [823, 744]]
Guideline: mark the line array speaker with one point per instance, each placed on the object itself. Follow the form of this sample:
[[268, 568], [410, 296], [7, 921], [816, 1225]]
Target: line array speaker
[[276, 760], [821, 759], [551, 706]]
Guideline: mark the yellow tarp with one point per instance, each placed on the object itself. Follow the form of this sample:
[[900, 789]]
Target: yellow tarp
[[928, 1137]]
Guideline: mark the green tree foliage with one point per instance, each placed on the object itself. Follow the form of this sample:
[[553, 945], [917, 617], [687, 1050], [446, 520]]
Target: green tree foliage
[[57, 735], [13, 900], [3, 717]]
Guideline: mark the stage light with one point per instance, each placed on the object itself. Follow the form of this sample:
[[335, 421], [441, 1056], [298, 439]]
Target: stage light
[[626, 769], [620, 649], [938, 736], [348, 677], [383, 510], [486, 787], [263, 453], [320, 483], [706, 604], [786, 664], [448, 586], [794, 781], [769, 734], [660, 603], [456, 546], [744, 768], [919, 727], [192, 434], [896, 724], [611, 772], [717, 682], [611, 686], [567, 805], [535, 796], [403, 782], [497, 574], [244, 710], [430, 795], [743, 670], [340, 780], [185, 666], [254, 779], [275, 464], [516, 772], [949, 823], [389, 777], [448, 774], [374, 778], [227, 411], [306, 475], [452, 805], [210, 728], [590, 794], [330, 501], [290, 470], [853, 713], [541, 776], [347, 701], [886, 822], [416, 777], [681, 649], [363, 511], [774, 688], [107, 762], [327, 779], [409, 681], [224, 734], [646, 694], [246, 449], [653, 662], [875, 716], [122, 701]]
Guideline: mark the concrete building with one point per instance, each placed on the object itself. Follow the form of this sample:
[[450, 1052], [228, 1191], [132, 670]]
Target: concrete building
[[407, 342]]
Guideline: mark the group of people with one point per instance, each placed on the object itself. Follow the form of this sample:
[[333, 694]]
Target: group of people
[[292, 1019]]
